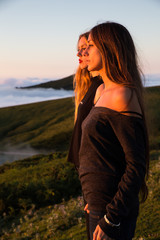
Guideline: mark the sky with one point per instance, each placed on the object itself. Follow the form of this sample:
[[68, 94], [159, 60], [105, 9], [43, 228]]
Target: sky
[[38, 38]]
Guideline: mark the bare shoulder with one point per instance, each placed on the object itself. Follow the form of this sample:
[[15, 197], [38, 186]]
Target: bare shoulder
[[122, 95], [121, 98], [125, 99]]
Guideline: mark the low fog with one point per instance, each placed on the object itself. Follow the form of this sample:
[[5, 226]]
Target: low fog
[[151, 80], [10, 153], [10, 96]]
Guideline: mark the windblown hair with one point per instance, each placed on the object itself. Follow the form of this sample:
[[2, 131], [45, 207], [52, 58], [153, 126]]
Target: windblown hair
[[120, 60], [81, 81], [81, 84]]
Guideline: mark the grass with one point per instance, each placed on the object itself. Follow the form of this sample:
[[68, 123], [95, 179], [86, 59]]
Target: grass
[[65, 220], [61, 221], [45, 125], [39, 180], [48, 125], [152, 103], [38, 195], [148, 224]]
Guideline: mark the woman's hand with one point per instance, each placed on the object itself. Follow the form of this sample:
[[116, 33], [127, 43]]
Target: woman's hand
[[99, 234], [86, 208]]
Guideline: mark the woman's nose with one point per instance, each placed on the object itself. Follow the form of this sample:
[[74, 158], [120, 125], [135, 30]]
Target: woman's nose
[[85, 53], [79, 53]]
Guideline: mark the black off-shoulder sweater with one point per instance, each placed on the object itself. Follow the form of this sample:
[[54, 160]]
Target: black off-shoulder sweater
[[83, 110], [112, 164]]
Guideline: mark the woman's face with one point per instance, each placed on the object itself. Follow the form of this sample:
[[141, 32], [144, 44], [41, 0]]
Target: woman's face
[[82, 44], [93, 56]]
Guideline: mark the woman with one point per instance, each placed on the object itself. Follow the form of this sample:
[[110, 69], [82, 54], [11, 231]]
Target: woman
[[85, 87], [83, 78], [114, 144]]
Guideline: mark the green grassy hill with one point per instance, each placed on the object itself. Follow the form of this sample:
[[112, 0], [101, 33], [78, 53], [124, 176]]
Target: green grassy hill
[[48, 125], [45, 125], [152, 103], [65, 83], [38, 195], [38, 200]]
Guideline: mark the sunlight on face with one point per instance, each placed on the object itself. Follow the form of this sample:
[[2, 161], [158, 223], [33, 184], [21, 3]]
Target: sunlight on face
[[82, 44], [93, 56]]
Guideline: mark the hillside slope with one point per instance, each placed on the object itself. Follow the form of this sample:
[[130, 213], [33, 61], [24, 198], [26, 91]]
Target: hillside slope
[[65, 83], [45, 125], [49, 124], [29, 188]]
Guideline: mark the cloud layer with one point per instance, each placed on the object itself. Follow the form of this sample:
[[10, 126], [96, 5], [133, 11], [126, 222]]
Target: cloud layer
[[15, 82], [10, 96], [152, 80]]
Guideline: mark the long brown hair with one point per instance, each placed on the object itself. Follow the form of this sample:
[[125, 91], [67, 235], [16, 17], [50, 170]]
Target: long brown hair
[[81, 81], [120, 60]]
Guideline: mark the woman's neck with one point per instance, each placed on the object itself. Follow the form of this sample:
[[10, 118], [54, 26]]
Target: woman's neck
[[107, 82], [94, 73]]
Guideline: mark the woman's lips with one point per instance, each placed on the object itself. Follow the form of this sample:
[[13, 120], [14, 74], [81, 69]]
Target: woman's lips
[[80, 61]]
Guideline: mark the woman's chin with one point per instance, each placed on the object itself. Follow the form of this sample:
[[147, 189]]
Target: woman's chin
[[83, 66], [90, 69]]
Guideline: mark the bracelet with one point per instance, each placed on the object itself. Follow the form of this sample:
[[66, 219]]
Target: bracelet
[[111, 224]]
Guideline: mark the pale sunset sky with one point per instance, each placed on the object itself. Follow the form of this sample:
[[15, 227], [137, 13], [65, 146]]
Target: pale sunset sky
[[38, 38]]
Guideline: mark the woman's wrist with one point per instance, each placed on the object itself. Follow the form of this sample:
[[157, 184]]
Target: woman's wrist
[[110, 223], [110, 229]]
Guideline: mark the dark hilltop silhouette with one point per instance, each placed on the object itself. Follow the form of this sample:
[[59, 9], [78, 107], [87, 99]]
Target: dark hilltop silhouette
[[65, 83]]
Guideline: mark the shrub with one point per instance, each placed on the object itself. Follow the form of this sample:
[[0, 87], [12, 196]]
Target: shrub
[[43, 183]]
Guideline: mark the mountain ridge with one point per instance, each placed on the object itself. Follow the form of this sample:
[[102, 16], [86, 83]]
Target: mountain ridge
[[62, 83]]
